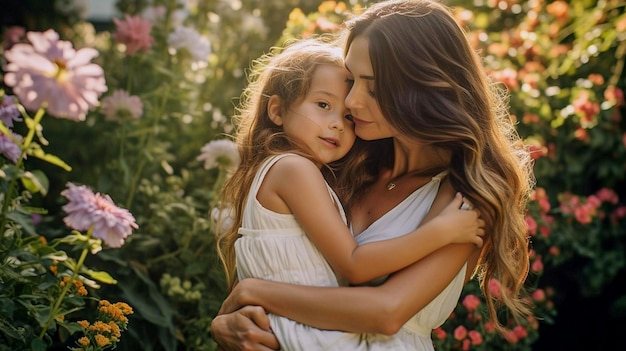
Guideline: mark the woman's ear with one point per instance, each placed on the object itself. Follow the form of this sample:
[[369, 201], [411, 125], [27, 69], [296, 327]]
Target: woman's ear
[[274, 110]]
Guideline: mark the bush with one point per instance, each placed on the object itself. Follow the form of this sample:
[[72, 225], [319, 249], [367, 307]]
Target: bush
[[157, 141]]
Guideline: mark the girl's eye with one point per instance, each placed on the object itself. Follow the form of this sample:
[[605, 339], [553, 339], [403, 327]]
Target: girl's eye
[[349, 117], [323, 105]]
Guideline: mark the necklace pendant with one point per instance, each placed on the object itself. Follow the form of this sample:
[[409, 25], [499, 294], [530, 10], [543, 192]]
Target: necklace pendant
[[391, 185]]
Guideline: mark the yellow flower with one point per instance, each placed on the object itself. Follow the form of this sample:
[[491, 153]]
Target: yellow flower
[[84, 341], [83, 323], [99, 326], [102, 340], [297, 16], [116, 333], [327, 6]]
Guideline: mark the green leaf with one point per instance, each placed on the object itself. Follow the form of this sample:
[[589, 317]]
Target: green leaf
[[36, 181], [23, 220], [40, 154], [101, 276], [38, 345]]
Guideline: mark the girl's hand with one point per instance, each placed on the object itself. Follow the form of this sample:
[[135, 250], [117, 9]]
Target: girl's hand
[[233, 301], [461, 222]]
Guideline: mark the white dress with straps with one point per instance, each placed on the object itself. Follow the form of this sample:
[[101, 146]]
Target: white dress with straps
[[274, 247]]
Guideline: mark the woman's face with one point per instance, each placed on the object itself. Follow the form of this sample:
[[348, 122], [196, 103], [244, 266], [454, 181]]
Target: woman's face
[[361, 100]]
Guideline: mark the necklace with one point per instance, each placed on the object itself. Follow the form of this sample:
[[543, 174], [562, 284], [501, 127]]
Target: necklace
[[421, 173], [394, 181]]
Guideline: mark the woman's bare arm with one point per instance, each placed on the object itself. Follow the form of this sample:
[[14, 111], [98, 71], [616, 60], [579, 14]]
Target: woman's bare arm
[[382, 309]]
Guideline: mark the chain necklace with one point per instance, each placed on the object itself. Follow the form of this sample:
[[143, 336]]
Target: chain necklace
[[394, 181], [419, 173]]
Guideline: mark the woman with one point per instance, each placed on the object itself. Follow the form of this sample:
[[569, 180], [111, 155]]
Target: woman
[[421, 95]]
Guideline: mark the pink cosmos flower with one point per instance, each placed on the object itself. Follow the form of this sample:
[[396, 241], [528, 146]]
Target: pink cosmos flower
[[134, 32], [8, 111], [86, 209], [50, 73], [9, 149], [121, 106]]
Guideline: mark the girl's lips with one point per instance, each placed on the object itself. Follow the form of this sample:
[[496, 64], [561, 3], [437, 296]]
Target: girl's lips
[[332, 141]]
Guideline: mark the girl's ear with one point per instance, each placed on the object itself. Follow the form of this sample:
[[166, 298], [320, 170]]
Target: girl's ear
[[273, 110]]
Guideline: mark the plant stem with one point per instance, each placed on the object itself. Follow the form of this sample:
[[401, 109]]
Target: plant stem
[[66, 287], [25, 145]]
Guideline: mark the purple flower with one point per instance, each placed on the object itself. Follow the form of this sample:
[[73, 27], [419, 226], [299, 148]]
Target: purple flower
[[9, 111], [9, 149], [51, 74], [86, 209]]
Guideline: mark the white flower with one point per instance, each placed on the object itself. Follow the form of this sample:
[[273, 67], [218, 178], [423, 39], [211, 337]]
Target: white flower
[[221, 152], [222, 219], [120, 106], [189, 39]]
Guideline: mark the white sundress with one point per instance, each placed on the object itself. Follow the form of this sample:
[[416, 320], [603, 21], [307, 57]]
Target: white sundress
[[274, 247]]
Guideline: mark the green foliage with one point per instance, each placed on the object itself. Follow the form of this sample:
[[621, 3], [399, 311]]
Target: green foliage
[[562, 62]]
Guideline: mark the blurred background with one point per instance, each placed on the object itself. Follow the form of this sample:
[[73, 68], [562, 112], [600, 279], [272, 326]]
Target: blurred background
[[562, 61]]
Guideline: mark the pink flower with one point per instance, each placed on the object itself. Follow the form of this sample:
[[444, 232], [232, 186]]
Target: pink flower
[[607, 195], [520, 332], [439, 333], [121, 106], [471, 302], [134, 33], [494, 288], [9, 111], [539, 295], [476, 337], [12, 36], [531, 224], [51, 74], [86, 210], [9, 149], [460, 332], [537, 265]]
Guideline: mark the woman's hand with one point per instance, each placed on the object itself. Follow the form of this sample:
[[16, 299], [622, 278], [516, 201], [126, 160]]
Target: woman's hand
[[245, 329]]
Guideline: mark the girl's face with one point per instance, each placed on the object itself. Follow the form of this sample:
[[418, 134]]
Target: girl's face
[[367, 116], [320, 122]]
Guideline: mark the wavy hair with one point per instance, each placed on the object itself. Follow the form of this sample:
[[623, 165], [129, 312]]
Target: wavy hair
[[286, 72], [430, 85]]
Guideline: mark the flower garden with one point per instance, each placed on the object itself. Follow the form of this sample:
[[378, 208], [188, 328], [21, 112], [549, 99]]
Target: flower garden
[[114, 143]]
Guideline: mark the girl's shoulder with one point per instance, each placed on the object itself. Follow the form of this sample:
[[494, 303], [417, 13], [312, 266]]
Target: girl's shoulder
[[292, 168]]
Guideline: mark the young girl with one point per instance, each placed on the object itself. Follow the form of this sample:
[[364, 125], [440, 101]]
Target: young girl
[[292, 123]]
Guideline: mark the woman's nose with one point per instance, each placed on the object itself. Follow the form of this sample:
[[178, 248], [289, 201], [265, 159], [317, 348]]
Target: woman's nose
[[352, 101]]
